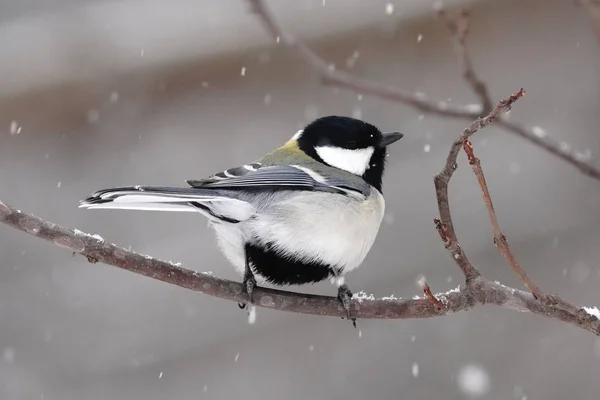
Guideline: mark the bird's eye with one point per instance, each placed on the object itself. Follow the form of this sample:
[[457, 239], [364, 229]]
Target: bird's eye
[[352, 145]]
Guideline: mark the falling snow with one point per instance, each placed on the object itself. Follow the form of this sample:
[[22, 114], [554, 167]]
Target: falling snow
[[419, 38], [415, 370], [352, 59], [427, 148], [473, 380], [311, 348], [237, 357], [243, 71], [160, 375], [389, 8], [473, 108], [114, 96], [14, 128], [252, 315], [539, 132], [421, 281], [267, 99]]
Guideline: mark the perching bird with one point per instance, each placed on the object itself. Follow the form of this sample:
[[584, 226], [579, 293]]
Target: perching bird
[[306, 212]]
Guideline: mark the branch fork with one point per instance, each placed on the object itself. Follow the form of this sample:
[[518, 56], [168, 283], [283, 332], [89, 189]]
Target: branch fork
[[476, 291]]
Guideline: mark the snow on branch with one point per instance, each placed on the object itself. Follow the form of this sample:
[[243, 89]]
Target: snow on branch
[[476, 291]]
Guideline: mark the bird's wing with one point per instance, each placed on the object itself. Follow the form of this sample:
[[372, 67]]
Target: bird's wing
[[283, 177]]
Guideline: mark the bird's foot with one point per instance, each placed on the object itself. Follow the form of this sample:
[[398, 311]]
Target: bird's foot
[[249, 285], [344, 296]]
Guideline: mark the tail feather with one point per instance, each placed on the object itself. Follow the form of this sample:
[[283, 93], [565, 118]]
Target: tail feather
[[211, 203]]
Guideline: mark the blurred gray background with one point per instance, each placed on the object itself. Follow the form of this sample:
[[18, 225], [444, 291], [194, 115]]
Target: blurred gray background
[[102, 93]]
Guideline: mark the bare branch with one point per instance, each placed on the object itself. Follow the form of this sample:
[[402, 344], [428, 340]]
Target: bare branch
[[444, 224], [499, 238], [97, 250], [562, 150], [459, 28], [332, 76], [342, 79]]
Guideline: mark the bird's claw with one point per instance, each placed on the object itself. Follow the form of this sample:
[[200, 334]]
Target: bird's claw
[[249, 285], [344, 296]]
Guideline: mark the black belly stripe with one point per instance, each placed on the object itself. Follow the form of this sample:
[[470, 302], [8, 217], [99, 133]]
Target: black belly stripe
[[208, 210], [281, 270]]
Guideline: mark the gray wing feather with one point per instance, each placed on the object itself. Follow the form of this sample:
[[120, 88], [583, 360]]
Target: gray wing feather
[[275, 177]]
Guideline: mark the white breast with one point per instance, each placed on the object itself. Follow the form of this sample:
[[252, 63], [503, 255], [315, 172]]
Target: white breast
[[313, 226]]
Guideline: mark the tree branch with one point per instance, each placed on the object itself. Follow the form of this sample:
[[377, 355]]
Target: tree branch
[[459, 28], [500, 240], [334, 77], [363, 307], [477, 291], [444, 224]]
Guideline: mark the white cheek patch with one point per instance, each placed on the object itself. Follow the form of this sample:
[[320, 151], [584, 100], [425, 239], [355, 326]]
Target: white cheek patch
[[354, 161]]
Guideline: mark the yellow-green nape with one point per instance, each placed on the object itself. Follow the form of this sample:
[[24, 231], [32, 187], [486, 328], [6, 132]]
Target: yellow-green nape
[[291, 145]]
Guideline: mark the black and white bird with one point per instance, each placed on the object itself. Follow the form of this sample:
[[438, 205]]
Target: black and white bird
[[306, 212]]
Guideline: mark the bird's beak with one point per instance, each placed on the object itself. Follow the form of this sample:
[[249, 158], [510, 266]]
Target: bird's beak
[[389, 138]]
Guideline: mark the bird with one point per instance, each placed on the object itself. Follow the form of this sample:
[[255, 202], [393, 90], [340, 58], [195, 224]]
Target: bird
[[305, 212]]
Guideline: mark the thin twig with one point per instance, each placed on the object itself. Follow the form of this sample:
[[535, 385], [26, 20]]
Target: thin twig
[[459, 29], [444, 224], [431, 297], [562, 150], [97, 250], [332, 76], [499, 238]]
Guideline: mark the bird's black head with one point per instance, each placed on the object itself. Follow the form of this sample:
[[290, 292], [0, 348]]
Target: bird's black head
[[348, 144]]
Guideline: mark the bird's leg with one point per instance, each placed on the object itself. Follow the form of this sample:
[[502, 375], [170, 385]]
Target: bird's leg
[[249, 283], [344, 296]]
